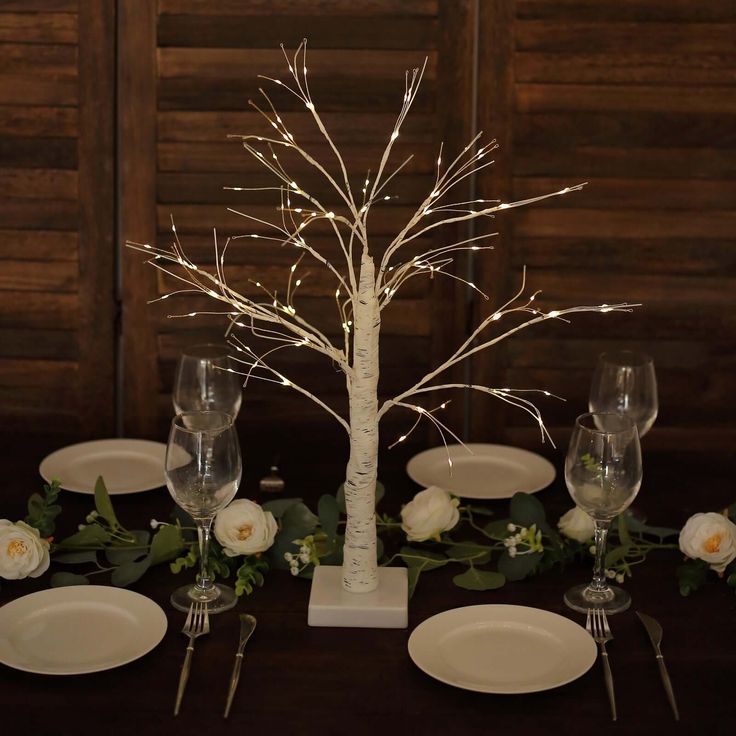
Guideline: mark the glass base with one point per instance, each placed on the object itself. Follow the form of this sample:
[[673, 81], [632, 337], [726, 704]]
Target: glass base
[[581, 598], [221, 598]]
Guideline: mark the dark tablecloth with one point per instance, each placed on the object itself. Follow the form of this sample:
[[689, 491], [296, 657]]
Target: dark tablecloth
[[302, 680]]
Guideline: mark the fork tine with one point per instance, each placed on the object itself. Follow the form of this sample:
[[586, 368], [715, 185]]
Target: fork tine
[[188, 622], [206, 627], [606, 628], [587, 623]]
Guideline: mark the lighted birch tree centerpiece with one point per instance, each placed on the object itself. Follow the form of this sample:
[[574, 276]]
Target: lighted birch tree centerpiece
[[360, 593]]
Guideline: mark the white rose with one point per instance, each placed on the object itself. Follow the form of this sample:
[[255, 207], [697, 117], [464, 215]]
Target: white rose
[[577, 525], [710, 537], [431, 512], [22, 551], [244, 528]]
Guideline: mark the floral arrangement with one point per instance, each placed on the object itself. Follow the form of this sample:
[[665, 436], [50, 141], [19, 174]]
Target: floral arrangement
[[433, 530]]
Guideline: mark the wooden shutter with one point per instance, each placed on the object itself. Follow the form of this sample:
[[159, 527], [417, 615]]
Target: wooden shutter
[[57, 349], [638, 99], [187, 73]]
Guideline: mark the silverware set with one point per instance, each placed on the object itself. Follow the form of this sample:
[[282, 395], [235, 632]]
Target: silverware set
[[198, 624], [596, 623]]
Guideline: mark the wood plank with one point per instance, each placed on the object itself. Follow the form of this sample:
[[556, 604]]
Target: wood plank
[[39, 183], [635, 163], [535, 223], [97, 235], [39, 28], [42, 310], [637, 98], [630, 68], [27, 89], [29, 214], [626, 128], [39, 276], [624, 193], [45, 6], [56, 404], [229, 157], [367, 8], [17, 372], [38, 153], [216, 126], [621, 38], [57, 344], [683, 11], [355, 94], [38, 245], [323, 31], [34, 122], [137, 213], [57, 62], [337, 65], [637, 255]]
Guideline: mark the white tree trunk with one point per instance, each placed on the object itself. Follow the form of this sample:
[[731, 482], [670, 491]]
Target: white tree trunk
[[360, 566]]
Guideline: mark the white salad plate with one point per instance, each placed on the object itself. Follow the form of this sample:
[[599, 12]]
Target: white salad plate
[[502, 649], [127, 466], [78, 629], [481, 470]]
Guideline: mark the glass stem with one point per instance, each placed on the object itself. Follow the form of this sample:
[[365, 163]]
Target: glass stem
[[599, 573], [203, 535]]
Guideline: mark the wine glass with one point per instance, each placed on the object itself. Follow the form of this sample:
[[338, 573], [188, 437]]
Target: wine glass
[[203, 470], [625, 382], [205, 381], [603, 475]]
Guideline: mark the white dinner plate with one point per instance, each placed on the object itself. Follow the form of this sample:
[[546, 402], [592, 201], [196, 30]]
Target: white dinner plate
[[487, 471], [78, 629], [127, 466], [502, 649]]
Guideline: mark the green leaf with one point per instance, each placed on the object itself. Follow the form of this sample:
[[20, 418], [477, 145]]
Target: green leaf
[[474, 579], [422, 558], [732, 512], [526, 509], [413, 574], [167, 544], [639, 527], [299, 520], [691, 575], [119, 554], [478, 510], [468, 552], [187, 561], [250, 575], [623, 530], [329, 517], [380, 491], [498, 529], [279, 505], [103, 504], [73, 558], [62, 579], [43, 510], [129, 572], [92, 535], [517, 568], [616, 555]]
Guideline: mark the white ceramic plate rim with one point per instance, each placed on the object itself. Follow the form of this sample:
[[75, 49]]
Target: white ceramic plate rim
[[53, 465], [540, 473], [149, 627], [423, 645]]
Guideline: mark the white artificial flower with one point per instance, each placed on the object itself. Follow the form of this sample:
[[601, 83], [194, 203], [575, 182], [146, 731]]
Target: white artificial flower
[[710, 537], [22, 551], [244, 528], [577, 525], [431, 512]]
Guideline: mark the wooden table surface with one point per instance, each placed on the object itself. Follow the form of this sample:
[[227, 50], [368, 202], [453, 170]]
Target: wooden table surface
[[302, 680]]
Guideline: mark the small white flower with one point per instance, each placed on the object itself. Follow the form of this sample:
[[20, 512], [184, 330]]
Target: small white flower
[[244, 528], [523, 532], [610, 574], [512, 551], [591, 549], [511, 527], [577, 525], [304, 557], [294, 570], [91, 516], [431, 512], [23, 553], [288, 556], [710, 537], [81, 526], [620, 578]]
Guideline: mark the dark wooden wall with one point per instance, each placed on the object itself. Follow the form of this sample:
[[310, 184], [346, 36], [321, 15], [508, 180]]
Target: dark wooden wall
[[57, 348], [636, 97]]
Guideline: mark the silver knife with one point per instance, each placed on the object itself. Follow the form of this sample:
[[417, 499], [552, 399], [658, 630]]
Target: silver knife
[[247, 626], [655, 636]]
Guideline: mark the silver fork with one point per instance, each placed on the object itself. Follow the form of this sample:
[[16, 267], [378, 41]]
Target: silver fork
[[197, 624], [601, 634]]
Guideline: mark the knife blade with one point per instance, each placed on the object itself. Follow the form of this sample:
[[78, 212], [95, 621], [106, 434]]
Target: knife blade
[[654, 631], [247, 626]]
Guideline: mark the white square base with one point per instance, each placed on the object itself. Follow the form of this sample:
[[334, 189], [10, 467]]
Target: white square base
[[384, 608]]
